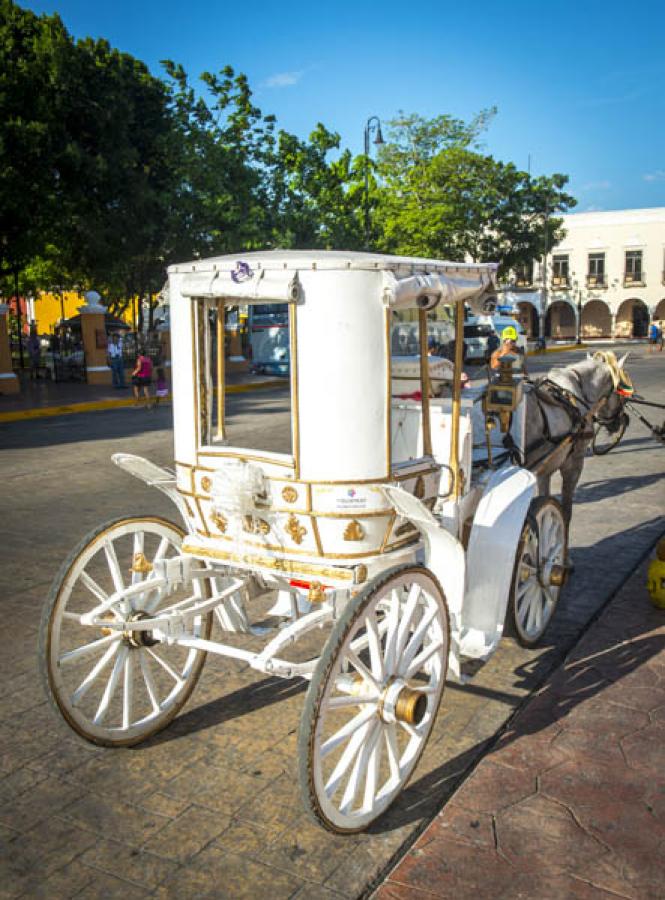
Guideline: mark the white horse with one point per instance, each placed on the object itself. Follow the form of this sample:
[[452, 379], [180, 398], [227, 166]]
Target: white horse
[[555, 408]]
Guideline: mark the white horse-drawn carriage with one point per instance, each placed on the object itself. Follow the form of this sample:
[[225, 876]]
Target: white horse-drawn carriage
[[397, 526]]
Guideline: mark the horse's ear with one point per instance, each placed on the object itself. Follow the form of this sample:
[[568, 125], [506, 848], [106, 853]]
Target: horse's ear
[[621, 362]]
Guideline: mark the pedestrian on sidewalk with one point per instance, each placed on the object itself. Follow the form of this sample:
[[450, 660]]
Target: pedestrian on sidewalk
[[161, 387], [142, 377], [655, 338], [115, 361], [35, 352]]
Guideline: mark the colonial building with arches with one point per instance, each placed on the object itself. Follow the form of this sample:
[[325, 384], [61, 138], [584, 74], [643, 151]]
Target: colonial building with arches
[[606, 279]]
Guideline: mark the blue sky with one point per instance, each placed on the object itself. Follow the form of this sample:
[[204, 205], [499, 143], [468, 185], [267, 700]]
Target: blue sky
[[579, 86]]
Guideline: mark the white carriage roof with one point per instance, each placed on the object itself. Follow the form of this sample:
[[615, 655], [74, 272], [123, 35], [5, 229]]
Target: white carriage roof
[[330, 259]]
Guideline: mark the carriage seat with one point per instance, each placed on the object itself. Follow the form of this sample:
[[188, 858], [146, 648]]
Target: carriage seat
[[407, 436]]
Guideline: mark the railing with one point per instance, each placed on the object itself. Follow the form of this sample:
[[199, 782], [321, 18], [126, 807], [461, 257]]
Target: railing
[[596, 281], [633, 279], [560, 281]]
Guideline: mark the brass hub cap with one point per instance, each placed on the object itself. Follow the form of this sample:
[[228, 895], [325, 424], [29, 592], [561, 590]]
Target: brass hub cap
[[138, 639]]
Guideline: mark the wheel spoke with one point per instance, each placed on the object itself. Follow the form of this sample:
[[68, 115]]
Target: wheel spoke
[[147, 679], [345, 702], [392, 749], [346, 731], [422, 658], [359, 767], [407, 618], [391, 633], [346, 759], [93, 587], [114, 565], [373, 770], [167, 668], [128, 691], [86, 649], [361, 668], [111, 685], [374, 642], [94, 673], [416, 640], [139, 542]]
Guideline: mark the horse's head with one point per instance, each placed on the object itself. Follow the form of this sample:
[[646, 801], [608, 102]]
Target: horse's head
[[610, 381]]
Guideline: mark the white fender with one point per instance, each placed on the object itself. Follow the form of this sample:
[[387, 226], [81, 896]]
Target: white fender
[[495, 534], [444, 556]]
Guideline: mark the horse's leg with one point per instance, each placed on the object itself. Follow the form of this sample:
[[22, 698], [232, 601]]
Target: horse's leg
[[544, 484], [571, 472]]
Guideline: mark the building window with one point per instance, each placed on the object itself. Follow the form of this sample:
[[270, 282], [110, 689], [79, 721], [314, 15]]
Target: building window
[[560, 271], [596, 273], [633, 273], [524, 275]]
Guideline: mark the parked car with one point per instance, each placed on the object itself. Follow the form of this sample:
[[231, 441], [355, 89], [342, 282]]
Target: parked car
[[476, 333]]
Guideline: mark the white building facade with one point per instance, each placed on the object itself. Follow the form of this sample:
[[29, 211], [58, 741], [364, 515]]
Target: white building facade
[[606, 279]]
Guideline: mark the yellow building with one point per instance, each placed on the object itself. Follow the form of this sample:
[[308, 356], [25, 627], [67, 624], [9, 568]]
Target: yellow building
[[47, 309]]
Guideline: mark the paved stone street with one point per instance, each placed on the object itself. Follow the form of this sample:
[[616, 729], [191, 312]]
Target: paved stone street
[[571, 800], [210, 807]]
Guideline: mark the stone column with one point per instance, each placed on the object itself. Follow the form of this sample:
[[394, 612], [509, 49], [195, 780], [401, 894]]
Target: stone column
[[9, 383], [93, 326]]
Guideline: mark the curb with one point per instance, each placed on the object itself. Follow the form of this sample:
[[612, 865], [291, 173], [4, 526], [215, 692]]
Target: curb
[[43, 412], [564, 348]]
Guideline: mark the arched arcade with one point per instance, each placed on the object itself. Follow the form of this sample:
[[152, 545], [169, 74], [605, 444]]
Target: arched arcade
[[596, 320]]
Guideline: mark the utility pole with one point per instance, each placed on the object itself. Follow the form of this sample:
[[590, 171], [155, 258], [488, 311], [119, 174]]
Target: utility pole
[[543, 293], [373, 125]]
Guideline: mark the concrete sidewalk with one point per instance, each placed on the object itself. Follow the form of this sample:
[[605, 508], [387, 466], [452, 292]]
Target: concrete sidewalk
[[56, 398], [570, 802]]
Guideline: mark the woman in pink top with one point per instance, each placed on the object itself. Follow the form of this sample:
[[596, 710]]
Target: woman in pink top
[[141, 377]]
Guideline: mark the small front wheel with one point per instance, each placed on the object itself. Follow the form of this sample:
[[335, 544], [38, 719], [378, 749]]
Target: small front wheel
[[540, 570], [115, 688], [373, 699]]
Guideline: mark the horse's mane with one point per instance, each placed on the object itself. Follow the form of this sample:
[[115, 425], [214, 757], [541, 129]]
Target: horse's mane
[[590, 365]]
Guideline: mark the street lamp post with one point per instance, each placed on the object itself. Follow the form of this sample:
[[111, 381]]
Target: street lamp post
[[577, 287], [373, 126]]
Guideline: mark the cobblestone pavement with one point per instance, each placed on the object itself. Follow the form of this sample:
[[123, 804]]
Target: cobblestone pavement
[[210, 808], [571, 801]]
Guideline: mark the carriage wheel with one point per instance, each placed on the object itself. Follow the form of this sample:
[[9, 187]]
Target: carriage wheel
[[540, 568], [373, 699], [112, 688]]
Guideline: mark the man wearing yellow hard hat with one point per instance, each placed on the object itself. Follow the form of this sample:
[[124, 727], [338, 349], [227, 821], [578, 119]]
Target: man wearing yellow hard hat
[[508, 347]]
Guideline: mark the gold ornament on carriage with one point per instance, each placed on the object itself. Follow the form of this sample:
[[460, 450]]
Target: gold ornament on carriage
[[295, 530], [219, 522], [140, 564], [253, 525], [289, 494], [206, 483], [354, 531]]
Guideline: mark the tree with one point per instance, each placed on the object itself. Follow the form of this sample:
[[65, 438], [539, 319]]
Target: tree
[[440, 197], [31, 52], [314, 201]]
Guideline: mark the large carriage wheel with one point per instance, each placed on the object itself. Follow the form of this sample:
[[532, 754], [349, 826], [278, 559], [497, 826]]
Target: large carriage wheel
[[540, 568], [112, 688], [373, 699]]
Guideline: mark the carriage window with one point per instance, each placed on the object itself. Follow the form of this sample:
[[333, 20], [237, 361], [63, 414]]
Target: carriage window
[[255, 342], [410, 331]]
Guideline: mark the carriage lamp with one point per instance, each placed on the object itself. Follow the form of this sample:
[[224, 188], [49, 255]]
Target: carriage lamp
[[504, 394]]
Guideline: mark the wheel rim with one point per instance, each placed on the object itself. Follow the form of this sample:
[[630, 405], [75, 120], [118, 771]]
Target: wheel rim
[[543, 547], [115, 688], [394, 654]]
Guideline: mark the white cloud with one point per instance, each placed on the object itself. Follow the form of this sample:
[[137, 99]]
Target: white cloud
[[283, 79], [658, 175]]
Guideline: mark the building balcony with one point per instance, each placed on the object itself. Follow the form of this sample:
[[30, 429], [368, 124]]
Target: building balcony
[[632, 279], [597, 282], [560, 282]]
